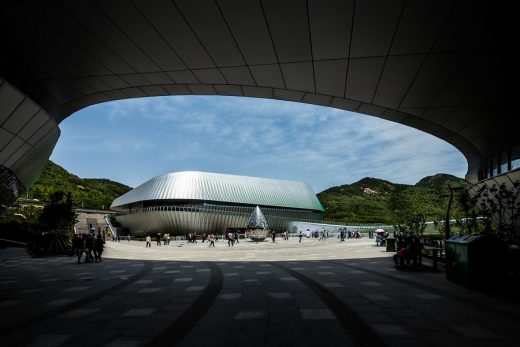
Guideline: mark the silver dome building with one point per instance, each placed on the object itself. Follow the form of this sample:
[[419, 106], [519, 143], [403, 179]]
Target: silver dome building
[[191, 201]]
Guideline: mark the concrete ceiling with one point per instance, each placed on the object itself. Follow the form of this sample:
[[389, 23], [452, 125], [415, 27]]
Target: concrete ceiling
[[444, 67]]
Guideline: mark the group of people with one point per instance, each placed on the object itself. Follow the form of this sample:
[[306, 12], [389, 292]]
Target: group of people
[[89, 245], [158, 238], [211, 238], [166, 239], [381, 238], [231, 238], [409, 250], [320, 235], [349, 234], [192, 238], [353, 234]]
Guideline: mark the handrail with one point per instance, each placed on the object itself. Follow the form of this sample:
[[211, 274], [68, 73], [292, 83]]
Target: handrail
[[110, 226], [363, 227]]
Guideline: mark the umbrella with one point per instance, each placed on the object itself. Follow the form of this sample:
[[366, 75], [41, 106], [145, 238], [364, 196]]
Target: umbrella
[[379, 231]]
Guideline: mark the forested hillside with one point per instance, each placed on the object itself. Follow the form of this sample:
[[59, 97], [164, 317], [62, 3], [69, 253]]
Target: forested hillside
[[369, 200], [373, 200], [86, 192]]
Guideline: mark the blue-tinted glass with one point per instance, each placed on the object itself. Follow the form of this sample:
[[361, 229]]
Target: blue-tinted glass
[[503, 167]]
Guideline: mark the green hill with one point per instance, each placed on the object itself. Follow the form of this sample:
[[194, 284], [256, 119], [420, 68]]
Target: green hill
[[369, 200], [86, 192], [373, 200]]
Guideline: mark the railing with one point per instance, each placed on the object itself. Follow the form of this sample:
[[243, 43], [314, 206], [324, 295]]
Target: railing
[[110, 226], [245, 212], [94, 210]]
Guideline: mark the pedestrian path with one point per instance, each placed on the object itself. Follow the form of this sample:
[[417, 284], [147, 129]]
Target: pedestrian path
[[283, 294]]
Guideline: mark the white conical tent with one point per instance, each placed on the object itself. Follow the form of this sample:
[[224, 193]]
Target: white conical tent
[[257, 220]]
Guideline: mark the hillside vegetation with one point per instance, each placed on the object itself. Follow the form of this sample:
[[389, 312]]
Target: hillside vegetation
[[369, 200], [86, 192], [373, 200]]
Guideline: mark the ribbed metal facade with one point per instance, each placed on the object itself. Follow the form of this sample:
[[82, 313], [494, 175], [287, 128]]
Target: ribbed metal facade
[[205, 186], [207, 202]]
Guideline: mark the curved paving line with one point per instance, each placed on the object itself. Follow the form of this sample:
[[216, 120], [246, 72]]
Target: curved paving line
[[78, 303], [458, 298], [358, 330], [174, 333]]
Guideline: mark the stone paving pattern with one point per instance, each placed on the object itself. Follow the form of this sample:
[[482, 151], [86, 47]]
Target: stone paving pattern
[[252, 294]]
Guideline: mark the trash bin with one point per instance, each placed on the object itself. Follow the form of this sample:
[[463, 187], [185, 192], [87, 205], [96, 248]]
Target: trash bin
[[390, 244], [475, 261]]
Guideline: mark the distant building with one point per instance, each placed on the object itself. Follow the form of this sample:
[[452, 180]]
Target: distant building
[[182, 202], [369, 191]]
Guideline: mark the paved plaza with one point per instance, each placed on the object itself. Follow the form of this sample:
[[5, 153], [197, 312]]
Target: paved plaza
[[283, 294]]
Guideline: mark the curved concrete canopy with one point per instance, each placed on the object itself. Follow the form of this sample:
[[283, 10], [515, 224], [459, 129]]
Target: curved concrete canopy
[[444, 67]]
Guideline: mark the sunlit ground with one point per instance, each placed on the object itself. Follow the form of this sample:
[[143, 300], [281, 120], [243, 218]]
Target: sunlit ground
[[246, 250]]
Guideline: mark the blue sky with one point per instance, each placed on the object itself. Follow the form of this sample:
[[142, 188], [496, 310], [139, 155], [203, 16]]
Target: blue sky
[[131, 141]]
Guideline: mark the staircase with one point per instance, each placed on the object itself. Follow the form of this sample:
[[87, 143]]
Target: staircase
[[113, 229]]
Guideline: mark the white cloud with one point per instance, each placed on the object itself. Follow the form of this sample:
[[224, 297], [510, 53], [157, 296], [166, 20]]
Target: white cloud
[[289, 140]]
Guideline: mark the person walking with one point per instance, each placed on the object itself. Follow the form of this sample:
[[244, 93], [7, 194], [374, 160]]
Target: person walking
[[231, 239], [98, 247], [81, 248], [273, 236], [300, 236], [158, 239], [89, 249], [77, 242], [211, 239], [148, 241]]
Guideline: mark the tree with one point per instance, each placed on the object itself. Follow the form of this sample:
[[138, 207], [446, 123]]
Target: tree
[[468, 202], [58, 219], [412, 214]]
